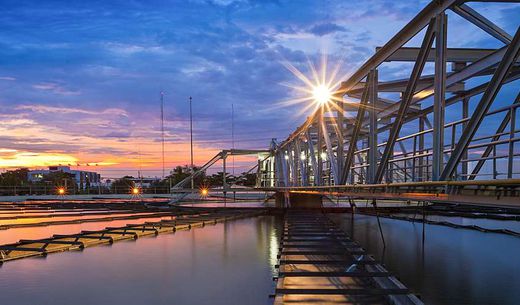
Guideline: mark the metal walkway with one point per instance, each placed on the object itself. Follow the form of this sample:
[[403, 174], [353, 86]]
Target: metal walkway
[[183, 220], [320, 264]]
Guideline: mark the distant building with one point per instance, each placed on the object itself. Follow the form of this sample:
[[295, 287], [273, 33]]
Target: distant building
[[81, 177], [145, 182]]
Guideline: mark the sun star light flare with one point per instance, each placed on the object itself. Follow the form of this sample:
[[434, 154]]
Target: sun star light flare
[[320, 89]]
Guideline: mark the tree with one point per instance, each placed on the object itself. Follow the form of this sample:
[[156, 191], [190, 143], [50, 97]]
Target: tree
[[15, 177], [247, 179], [217, 179], [180, 173], [123, 185]]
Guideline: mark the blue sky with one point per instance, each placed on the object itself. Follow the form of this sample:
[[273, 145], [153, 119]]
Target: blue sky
[[80, 80]]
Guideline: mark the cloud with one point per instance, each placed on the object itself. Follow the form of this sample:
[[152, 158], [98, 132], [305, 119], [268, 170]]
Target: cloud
[[323, 29], [55, 88], [88, 77], [7, 78], [67, 110]]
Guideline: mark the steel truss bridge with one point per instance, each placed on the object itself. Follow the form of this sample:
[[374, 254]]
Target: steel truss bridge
[[371, 145], [387, 138]]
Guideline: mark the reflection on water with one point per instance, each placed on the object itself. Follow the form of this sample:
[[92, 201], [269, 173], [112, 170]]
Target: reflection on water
[[450, 266], [233, 263], [15, 234], [230, 263]]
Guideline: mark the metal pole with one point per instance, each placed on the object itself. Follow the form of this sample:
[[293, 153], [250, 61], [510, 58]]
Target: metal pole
[[319, 177], [191, 146], [162, 131], [465, 114], [233, 137], [439, 95], [372, 138]]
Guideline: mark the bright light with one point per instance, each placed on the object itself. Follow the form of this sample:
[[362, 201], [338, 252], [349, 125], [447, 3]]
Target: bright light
[[302, 156], [318, 89], [321, 94], [61, 191], [204, 192], [286, 157], [135, 191], [323, 156]]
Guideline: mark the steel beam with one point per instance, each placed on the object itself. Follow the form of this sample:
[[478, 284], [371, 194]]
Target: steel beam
[[330, 153], [312, 155], [482, 108], [482, 22], [468, 72], [439, 97], [452, 54], [354, 137], [372, 136], [400, 85], [319, 178]]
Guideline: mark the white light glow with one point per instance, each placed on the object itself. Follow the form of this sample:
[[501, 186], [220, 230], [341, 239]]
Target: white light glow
[[321, 94], [323, 156]]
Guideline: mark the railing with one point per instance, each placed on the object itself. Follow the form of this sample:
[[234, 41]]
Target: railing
[[31, 190]]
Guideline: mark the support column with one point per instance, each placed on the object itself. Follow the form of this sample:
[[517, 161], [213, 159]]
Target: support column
[[341, 142], [319, 175], [312, 155], [421, 149], [224, 183], [465, 114], [372, 137], [439, 84]]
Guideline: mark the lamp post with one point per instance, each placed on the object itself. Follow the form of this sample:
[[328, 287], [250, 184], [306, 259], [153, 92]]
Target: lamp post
[[191, 145]]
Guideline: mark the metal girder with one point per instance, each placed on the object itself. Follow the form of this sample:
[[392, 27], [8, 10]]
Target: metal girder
[[407, 99], [482, 108], [354, 137], [303, 171], [400, 85], [330, 152], [466, 94], [482, 22], [439, 98], [489, 149], [319, 176], [452, 54], [452, 78], [372, 136], [312, 154], [408, 32]]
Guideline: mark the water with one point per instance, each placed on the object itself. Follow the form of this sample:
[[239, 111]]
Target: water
[[452, 266], [233, 263], [230, 263]]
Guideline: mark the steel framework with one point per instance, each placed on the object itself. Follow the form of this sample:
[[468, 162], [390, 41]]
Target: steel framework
[[377, 142]]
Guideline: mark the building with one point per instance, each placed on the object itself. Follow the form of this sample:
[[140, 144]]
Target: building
[[81, 177]]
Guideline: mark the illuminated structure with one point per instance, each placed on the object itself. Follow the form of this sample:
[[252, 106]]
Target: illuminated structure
[[82, 178]]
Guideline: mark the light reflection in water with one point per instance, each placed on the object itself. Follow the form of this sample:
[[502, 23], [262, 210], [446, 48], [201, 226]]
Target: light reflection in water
[[444, 265], [227, 263]]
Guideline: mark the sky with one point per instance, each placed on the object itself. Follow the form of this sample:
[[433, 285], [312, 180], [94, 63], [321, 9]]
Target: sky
[[80, 81]]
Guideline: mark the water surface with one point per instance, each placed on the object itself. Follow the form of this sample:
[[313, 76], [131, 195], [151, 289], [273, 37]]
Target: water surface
[[230, 263], [448, 266]]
